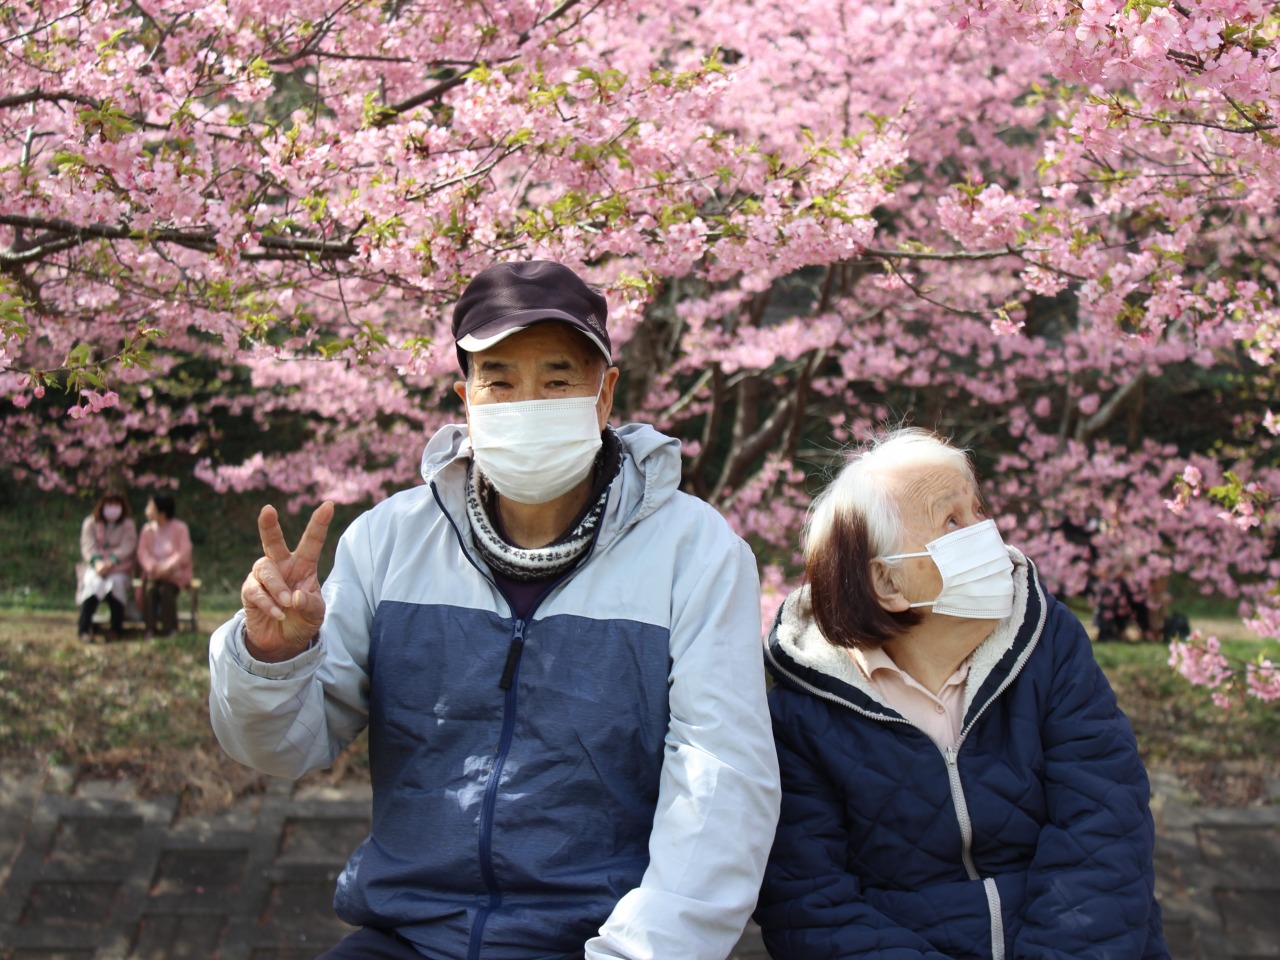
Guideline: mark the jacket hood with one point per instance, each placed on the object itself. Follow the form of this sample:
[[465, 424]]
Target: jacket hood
[[650, 473], [449, 443], [798, 654]]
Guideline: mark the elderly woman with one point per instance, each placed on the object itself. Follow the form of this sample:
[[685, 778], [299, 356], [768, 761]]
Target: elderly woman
[[958, 781]]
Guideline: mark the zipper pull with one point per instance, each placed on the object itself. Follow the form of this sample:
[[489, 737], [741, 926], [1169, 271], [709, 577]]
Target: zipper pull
[[513, 657], [950, 754]]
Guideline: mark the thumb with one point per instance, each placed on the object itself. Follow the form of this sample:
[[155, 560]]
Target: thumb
[[309, 605]]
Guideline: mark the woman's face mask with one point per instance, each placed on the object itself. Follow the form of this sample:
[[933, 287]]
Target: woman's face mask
[[977, 574], [534, 451], [111, 512]]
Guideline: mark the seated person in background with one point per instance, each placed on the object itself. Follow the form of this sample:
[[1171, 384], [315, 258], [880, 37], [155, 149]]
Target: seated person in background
[[957, 778], [108, 537], [164, 555]]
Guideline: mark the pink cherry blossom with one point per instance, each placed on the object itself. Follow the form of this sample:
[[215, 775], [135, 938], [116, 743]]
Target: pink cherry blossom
[[1047, 230]]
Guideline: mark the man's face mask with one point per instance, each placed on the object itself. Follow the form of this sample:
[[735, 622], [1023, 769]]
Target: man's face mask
[[534, 451], [977, 574]]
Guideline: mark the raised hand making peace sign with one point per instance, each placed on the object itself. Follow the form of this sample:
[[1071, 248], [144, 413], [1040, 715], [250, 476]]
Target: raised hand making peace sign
[[281, 596]]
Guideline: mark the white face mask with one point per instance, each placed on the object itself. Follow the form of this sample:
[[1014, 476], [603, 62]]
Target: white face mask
[[112, 512], [533, 451], [977, 574]]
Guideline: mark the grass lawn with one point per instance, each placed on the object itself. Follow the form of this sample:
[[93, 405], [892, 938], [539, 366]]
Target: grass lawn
[[130, 708], [1224, 756], [140, 709]]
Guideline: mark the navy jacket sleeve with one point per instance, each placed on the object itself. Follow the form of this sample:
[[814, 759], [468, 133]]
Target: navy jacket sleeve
[[811, 907], [1090, 883]]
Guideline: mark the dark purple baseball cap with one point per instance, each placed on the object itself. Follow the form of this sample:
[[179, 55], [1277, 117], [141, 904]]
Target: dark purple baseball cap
[[508, 297]]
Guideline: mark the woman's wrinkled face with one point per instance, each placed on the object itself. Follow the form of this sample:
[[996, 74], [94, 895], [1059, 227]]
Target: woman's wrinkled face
[[933, 502]]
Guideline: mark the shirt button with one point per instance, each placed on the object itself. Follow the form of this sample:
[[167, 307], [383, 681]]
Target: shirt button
[[939, 708]]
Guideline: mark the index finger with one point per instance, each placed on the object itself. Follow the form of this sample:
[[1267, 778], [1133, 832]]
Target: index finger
[[273, 545], [312, 541]]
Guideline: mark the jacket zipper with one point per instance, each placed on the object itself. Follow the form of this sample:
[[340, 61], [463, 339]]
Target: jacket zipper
[[962, 812], [491, 792], [995, 912], [507, 683]]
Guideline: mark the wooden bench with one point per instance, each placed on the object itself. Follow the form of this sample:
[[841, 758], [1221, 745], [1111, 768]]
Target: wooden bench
[[188, 614]]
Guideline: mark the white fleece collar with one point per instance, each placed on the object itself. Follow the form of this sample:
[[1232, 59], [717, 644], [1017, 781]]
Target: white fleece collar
[[799, 637]]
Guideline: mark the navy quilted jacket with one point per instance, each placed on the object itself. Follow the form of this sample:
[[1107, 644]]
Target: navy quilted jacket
[[1031, 839]]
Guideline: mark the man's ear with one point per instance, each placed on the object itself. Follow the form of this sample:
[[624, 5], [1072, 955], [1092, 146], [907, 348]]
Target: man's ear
[[884, 578], [605, 406], [460, 388]]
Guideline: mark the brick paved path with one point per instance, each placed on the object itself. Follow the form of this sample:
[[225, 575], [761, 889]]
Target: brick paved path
[[90, 871]]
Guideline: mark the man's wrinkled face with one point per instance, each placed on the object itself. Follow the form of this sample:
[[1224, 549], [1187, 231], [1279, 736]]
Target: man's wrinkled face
[[546, 361]]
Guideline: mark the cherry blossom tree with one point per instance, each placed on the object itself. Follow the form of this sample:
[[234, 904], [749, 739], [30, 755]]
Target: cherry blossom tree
[[1046, 229]]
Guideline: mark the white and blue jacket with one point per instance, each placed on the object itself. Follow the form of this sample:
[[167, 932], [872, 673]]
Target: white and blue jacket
[[616, 799]]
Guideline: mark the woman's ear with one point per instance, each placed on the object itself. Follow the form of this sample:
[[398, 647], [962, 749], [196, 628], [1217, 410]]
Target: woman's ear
[[884, 578]]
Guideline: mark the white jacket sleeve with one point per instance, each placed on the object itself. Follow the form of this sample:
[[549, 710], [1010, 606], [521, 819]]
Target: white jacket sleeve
[[287, 718], [719, 795]]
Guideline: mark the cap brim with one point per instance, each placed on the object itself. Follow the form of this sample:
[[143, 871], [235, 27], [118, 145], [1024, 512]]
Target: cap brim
[[482, 339]]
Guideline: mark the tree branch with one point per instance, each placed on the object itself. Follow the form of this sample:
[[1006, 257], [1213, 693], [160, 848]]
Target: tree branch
[[435, 93], [745, 447], [1252, 127], [440, 89], [1086, 430], [685, 399], [19, 258], [710, 427], [70, 234], [882, 254], [37, 96], [961, 311]]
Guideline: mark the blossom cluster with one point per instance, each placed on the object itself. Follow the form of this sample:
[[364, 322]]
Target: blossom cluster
[[1201, 661], [1045, 228]]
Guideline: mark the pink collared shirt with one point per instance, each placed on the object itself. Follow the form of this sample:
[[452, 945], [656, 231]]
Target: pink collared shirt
[[164, 552], [940, 716]]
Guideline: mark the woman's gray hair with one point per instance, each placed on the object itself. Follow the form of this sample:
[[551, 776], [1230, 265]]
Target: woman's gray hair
[[856, 520], [860, 485]]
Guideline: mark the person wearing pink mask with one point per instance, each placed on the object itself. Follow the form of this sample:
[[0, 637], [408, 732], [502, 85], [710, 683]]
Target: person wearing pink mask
[[556, 654], [108, 538], [164, 557], [957, 778]]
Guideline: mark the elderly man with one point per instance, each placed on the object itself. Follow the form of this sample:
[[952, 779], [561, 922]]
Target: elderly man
[[556, 654], [957, 778]]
